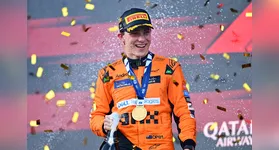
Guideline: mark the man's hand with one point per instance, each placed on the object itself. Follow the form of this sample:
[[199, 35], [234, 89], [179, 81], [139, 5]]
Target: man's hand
[[186, 149], [107, 123]]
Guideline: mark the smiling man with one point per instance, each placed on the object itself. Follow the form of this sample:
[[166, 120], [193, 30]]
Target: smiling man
[[146, 90]]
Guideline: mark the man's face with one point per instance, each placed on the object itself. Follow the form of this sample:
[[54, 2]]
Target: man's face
[[136, 43]]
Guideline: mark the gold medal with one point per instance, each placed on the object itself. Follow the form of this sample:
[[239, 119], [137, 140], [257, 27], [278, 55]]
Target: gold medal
[[139, 113]]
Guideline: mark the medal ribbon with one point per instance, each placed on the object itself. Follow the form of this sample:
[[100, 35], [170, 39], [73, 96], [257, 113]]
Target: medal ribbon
[[140, 91]]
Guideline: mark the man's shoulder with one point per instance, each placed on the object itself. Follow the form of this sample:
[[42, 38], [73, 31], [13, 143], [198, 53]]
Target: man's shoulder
[[165, 61], [111, 66]]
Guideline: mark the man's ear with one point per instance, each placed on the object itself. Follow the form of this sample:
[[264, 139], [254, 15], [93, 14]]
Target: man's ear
[[120, 36]]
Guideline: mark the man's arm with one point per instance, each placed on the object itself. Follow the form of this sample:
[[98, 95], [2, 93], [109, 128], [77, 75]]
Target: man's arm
[[103, 103], [182, 108]]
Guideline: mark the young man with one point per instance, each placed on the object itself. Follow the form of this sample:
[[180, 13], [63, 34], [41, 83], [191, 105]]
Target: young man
[[145, 89]]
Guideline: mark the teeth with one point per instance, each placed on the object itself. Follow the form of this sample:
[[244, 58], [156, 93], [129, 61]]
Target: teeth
[[140, 46]]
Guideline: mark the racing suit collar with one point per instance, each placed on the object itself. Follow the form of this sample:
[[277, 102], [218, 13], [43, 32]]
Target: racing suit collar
[[135, 63]]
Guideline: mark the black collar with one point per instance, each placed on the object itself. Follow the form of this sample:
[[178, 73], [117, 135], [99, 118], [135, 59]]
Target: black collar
[[135, 63]]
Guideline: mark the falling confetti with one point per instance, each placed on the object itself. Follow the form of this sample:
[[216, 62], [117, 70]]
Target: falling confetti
[[95, 107], [147, 3], [188, 87], [84, 28], [226, 56], [202, 57], [61, 103], [64, 11], [113, 29], [87, 1], [234, 74], [131, 77], [85, 141], [92, 95], [174, 58], [233, 10], [28, 17], [220, 5], [247, 55], [201, 26], [221, 136], [248, 14], [173, 139], [180, 36], [123, 55], [92, 90], [222, 27], [221, 108], [240, 116], [75, 117], [73, 43], [217, 90], [35, 123], [206, 3], [64, 66], [93, 84], [213, 126], [247, 87], [48, 131], [205, 101], [33, 130], [67, 85], [197, 77], [175, 83], [67, 34], [73, 22], [215, 76], [50, 95], [40, 72], [192, 46], [46, 147], [153, 6], [33, 59], [89, 6], [246, 65], [236, 141]]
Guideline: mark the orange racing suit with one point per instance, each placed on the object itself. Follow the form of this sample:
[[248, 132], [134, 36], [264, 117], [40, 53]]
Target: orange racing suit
[[166, 96]]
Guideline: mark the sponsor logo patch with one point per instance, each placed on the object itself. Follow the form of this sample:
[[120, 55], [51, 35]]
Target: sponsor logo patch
[[122, 83], [130, 102], [154, 137], [135, 17]]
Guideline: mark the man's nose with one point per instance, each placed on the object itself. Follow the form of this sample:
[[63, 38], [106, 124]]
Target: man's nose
[[142, 37]]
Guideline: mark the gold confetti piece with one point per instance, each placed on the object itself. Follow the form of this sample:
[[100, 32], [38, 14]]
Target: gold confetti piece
[[85, 141], [64, 66], [240, 116], [113, 29], [75, 117], [33, 130], [213, 126], [147, 3], [92, 95], [248, 14], [67, 85], [64, 11], [221, 108], [87, 1], [73, 22], [180, 36], [188, 87], [217, 90], [46, 147], [40, 72], [50, 95], [175, 59], [34, 123], [202, 57], [89, 6], [246, 65], [111, 67], [247, 87], [215, 76], [247, 55], [176, 83], [221, 136], [93, 84], [33, 59], [192, 46], [237, 141], [61, 103], [205, 101], [227, 56], [222, 27], [48, 131], [173, 139], [92, 90], [65, 33], [131, 77], [95, 107]]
